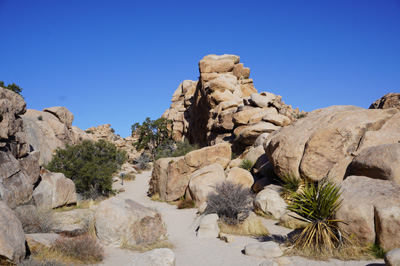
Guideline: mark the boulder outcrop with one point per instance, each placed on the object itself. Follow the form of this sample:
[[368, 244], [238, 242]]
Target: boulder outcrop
[[135, 224], [325, 142], [12, 237], [390, 100], [171, 176], [224, 106], [371, 211]]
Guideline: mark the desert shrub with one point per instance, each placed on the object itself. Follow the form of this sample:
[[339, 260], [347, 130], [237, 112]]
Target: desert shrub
[[34, 220], [12, 87], [291, 184], [129, 176], [143, 162], [377, 251], [232, 202], [252, 226], [83, 248], [90, 165], [40, 118], [317, 203], [186, 203], [247, 164]]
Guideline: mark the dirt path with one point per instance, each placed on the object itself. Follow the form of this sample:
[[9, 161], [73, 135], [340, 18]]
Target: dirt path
[[192, 251]]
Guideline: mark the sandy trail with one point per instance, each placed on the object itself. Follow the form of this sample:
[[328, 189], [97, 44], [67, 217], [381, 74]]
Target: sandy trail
[[190, 250]]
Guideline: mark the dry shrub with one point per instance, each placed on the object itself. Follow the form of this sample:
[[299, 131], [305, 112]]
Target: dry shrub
[[252, 226], [83, 249], [186, 203], [33, 262], [34, 220], [232, 202]]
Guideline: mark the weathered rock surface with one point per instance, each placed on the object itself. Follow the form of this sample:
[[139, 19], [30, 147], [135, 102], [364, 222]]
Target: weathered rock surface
[[62, 113], [135, 225], [268, 250], [43, 239], [371, 210], [379, 162], [203, 181], [325, 142], [72, 223], [270, 202], [55, 190], [392, 258], [12, 237], [208, 227], [155, 257], [170, 176], [240, 176], [390, 100]]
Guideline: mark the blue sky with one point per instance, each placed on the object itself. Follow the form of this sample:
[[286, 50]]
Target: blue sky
[[118, 62]]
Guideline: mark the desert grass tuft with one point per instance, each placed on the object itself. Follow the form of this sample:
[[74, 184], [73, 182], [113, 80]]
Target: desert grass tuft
[[186, 203], [249, 227], [155, 197]]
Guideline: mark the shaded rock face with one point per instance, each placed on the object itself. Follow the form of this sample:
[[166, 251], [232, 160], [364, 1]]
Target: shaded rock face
[[390, 100], [222, 104], [371, 210], [326, 141], [12, 237], [119, 221], [171, 176], [106, 132]]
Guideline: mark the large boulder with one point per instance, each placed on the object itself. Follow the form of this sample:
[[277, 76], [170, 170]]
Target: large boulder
[[240, 176], [155, 257], [325, 142], [170, 176], [16, 185], [269, 201], [203, 181], [73, 222], [12, 237], [379, 162], [119, 221], [55, 190], [390, 100], [370, 211], [62, 113]]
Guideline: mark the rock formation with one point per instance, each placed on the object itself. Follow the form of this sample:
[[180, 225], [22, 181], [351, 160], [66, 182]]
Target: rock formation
[[224, 106], [107, 133], [390, 100]]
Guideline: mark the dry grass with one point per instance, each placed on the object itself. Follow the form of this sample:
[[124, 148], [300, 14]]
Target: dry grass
[[85, 204], [83, 249], [250, 227], [186, 203], [155, 197], [5, 262], [129, 176], [146, 247], [35, 220]]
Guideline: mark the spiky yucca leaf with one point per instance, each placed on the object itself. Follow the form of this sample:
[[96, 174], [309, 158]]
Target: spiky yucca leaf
[[317, 204]]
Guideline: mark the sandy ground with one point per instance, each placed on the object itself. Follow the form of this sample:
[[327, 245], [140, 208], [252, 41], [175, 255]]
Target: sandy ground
[[192, 251]]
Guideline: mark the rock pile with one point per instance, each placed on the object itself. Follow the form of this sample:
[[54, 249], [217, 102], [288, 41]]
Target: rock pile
[[224, 106]]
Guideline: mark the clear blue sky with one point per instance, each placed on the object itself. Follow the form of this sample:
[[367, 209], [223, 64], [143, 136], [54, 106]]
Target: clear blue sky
[[119, 61]]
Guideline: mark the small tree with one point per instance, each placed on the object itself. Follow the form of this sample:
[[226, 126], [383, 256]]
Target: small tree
[[151, 133], [12, 87], [90, 165]]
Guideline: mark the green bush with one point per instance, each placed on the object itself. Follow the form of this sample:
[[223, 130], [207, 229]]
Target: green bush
[[247, 164], [317, 203], [90, 165], [232, 202], [174, 149], [12, 87]]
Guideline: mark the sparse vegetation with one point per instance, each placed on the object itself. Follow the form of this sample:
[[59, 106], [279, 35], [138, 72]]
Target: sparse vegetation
[[90, 165], [12, 87], [40, 118], [143, 162], [291, 184], [129, 176], [232, 202], [377, 251], [146, 247], [249, 227], [186, 203], [34, 220], [82, 249], [33, 262], [317, 203], [247, 164]]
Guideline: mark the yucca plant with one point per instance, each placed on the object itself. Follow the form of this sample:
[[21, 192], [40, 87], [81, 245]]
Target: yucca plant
[[290, 184], [247, 164], [317, 204]]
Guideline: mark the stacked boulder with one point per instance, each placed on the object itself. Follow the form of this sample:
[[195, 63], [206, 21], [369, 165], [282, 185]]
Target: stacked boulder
[[224, 106]]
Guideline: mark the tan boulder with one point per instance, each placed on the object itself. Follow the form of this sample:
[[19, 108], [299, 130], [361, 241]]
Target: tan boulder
[[370, 211], [30, 164], [203, 181], [220, 153], [326, 138], [135, 223], [269, 201], [73, 222], [247, 88], [12, 237], [223, 122], [379, 162], [277, 119], [243, 117], [390, 100], [62, 113], [234, 58], [249, 134], [257, 117], [11, 106], [218, 66], [240, 176], [223, 82], [55, 190], [241, 72], [262, 99]]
